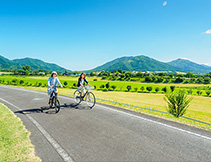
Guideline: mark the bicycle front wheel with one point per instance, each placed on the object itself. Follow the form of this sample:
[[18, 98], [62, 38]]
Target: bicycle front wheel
[[77, 97], [90, 100], [56, 104]]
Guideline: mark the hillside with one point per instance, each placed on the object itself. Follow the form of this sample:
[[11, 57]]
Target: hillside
[[190, 66], [138, 63], [39, 64], [35, 64], [8, 64]]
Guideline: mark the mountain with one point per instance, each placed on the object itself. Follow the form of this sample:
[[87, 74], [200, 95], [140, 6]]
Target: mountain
[[188, 65], [35, 64], [138, 63], [8, 64]]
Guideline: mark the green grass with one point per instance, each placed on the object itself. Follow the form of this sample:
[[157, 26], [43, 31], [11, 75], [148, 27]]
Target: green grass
[[15, 144]]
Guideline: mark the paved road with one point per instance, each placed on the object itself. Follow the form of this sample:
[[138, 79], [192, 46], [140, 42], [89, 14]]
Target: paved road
[[104, 133]]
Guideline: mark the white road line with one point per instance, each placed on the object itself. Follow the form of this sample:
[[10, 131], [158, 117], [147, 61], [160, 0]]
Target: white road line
[[66, 157], [104, 107]]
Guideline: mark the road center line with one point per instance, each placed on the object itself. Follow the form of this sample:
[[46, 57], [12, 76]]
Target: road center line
[[66, 157]]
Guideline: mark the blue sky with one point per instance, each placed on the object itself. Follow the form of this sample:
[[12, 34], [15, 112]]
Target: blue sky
[[82, 34]]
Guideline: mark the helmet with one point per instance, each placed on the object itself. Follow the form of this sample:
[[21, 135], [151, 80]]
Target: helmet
[[54, 72]]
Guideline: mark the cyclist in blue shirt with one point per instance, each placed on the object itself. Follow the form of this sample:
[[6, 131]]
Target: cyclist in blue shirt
[[52, 84]]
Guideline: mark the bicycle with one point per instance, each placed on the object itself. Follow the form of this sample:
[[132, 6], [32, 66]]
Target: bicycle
[[89, 97], [54, 100]]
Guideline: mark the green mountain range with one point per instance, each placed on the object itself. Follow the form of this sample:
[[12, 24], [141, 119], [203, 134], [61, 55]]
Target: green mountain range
[[138, 63], [35, 64], [188, 65]]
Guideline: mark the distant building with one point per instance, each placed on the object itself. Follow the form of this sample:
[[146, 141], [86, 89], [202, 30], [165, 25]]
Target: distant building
[[41, 73]]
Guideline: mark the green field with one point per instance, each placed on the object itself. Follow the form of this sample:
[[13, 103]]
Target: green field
[[120, 85], [200, 107], [15, 144]]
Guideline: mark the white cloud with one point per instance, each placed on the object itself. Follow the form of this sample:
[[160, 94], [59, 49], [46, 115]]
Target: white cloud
[[208, 31], [165, 3]]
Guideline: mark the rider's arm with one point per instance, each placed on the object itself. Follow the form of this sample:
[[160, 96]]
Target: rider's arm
[[49, 80], [59, 82], [87, 82]]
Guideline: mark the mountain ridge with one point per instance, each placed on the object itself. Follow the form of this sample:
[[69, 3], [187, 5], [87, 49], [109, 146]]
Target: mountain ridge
[[36, 64]]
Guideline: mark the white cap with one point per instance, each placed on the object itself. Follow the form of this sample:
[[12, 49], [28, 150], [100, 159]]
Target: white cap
[[54, 72]]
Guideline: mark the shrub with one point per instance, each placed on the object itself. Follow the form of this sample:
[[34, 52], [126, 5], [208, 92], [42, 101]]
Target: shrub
[[113, 87], [107, 85], [103, 78], [164, 89], [105, 90], [172, 88], [39, 84], [110, 89], [177, 103], [74, 84], [149, 89], [157, 89], [14, 80], [208, 93], [142, 88], [190, 91], [21, 82], [94, 79], [199, 92], [129, 88], [102, 86], [135, 89], [65, 83]]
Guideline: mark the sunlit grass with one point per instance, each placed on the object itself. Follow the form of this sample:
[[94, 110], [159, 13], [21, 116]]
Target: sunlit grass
[[15, 144]]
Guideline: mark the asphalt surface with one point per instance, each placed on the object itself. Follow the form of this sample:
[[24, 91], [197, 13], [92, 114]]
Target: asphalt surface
[[104, 133]]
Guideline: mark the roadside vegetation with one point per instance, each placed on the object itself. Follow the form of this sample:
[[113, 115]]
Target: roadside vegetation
[[15, 144]]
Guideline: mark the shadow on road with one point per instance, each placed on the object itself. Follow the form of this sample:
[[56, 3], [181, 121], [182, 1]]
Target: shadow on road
[[48, 110]]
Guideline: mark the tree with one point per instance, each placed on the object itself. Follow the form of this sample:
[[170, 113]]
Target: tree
[[113, 87], [208, 93], [107, 85], [177, 103], [129, 88], [21, 81], [65, 83], [142, 88], [164, 89], [102, 86], [27, 67], [199, 92], [172, 88], [149, 89], [157, 89], [190, 91], [189, 75]]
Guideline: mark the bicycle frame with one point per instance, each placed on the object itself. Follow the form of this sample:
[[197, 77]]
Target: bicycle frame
[[84, 94]]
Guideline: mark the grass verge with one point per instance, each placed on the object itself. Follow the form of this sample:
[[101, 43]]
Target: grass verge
[[15, 144]]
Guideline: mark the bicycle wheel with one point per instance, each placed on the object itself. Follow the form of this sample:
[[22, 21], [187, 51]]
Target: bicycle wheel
[[90, 99], [56, 104], [77, 97]]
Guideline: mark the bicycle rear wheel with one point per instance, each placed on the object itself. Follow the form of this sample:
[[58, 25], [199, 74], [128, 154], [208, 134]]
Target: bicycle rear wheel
[[56, 104], [77, 97], [90, 100]]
